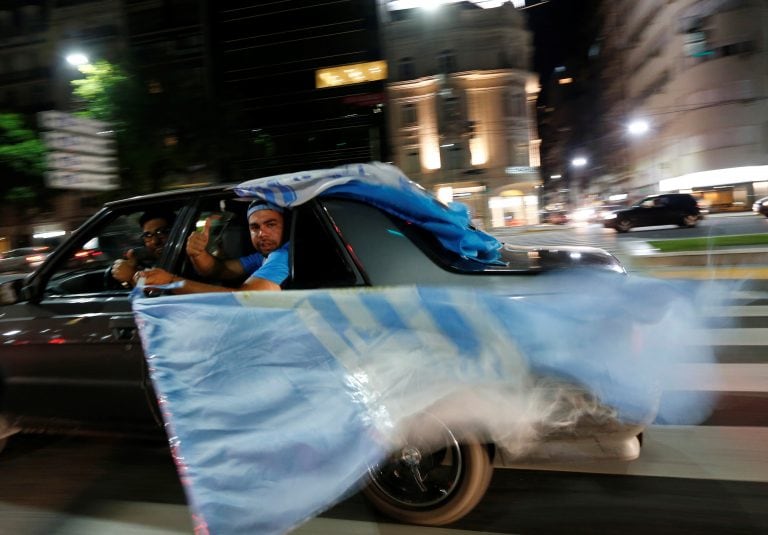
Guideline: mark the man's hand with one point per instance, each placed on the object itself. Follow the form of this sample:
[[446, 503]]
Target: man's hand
[[198, 240], [157, 277], [124, 268]]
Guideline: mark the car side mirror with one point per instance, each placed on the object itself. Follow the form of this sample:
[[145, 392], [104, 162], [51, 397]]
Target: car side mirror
[[10, 291]]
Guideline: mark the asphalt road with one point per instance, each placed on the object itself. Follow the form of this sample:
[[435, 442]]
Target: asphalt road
[[69, 486]]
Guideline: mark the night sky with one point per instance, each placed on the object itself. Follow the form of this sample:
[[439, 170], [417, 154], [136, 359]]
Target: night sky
[[563, 31]]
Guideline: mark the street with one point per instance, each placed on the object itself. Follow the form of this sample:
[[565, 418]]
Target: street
[[711, 478]]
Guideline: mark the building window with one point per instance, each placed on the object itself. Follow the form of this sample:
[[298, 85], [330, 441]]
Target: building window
[[446, 61], [411, 161], [406, 69], [409, 116], [514, 104], [453, 157], [518, 153]]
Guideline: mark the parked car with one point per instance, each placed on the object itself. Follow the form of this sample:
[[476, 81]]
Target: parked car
[[71, 360], [554, 216], [761, 206], [679, 209], [22, 260]]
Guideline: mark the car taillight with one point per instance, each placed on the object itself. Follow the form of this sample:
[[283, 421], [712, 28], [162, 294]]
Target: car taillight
[[31, 259]]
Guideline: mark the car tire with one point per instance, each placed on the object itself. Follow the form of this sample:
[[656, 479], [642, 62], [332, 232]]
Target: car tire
[[689, 220], [435, 488], [623, 225]]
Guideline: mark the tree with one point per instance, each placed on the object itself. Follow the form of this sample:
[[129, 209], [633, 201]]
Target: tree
[[22, 161], [159, 133]]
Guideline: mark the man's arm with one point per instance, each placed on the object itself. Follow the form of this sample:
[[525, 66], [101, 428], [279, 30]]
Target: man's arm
[[204, 262], [158, 276]]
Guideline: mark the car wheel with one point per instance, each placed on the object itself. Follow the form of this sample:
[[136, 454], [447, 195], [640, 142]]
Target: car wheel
[[623, 225], [431, 487], [689, 220]]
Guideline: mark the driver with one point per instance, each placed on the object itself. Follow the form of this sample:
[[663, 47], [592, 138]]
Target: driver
[[267, 267], [155, 229]]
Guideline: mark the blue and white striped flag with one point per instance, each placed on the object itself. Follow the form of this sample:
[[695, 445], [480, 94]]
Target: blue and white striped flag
[[385, 186], [277, 402]]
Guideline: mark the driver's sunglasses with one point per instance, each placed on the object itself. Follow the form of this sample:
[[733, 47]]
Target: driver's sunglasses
[[159, 233]]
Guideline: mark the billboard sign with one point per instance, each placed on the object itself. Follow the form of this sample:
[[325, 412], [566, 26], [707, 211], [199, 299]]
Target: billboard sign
[[79, 180], [81, 152]]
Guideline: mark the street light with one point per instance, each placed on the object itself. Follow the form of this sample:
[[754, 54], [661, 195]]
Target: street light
[[579, 161], [638, 127], [77, 59]]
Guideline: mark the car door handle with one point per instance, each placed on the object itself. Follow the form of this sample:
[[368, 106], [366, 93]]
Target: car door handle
[[122, 327]]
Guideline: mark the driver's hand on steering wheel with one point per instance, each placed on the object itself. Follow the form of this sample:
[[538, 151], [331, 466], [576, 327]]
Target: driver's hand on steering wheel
[[124, 269]]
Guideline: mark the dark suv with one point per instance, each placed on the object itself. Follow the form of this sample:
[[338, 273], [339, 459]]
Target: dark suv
[[679, 209]]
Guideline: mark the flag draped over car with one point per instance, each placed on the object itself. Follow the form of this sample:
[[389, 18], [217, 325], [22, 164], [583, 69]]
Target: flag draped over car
[[385, 186], [278, 402]]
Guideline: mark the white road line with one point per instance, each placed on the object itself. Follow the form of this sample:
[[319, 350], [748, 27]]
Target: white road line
[[738, 311], [718, 378], [332, 526], [735, 337], [724, 453]]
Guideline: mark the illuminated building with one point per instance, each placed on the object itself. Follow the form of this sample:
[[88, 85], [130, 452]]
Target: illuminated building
[[695, 71], [462, 107]]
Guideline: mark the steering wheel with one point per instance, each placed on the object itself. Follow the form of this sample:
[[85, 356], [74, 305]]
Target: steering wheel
[[111, 283]]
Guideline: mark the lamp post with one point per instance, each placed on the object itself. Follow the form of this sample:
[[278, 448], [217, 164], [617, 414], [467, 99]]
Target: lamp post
[[77, 59], [578, 163]]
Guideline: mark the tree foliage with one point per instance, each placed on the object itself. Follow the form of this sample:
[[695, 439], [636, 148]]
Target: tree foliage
[[22, 159], [161, 130]]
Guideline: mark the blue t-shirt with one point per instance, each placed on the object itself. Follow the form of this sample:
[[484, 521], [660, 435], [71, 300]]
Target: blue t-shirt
[[273, 267]]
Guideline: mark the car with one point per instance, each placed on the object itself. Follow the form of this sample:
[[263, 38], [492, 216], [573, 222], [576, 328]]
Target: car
[[679, 209], [71, 360], [554, 216], [761, 206], [23, 259]]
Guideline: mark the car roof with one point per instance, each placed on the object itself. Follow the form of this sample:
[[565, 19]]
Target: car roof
[[173, 194]]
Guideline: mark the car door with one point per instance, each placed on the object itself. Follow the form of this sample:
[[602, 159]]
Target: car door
[[70, 355], [648, 213]]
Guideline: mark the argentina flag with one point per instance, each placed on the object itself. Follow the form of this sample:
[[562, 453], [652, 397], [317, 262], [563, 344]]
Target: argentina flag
[[277, 403], [385, 186]]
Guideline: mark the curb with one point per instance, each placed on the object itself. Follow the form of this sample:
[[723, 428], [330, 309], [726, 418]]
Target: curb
[[757, 257]]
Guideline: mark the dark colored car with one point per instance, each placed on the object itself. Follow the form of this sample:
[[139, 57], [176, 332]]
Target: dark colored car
[[22, 260], [679, 209], [761, 206], [71, 360]]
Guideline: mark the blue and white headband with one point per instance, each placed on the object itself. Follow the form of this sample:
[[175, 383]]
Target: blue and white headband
[[261, 204]]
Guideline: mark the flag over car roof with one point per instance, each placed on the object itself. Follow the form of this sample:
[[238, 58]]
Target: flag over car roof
[[386, 187]]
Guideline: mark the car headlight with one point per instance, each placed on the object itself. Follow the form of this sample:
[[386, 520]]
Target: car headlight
[[610, 215]]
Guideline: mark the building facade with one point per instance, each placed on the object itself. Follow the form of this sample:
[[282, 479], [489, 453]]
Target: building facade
[[693, 74], [462, 107], [270, 60]]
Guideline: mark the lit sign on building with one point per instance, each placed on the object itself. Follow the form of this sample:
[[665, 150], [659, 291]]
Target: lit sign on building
[[355, 73], [395, 5]]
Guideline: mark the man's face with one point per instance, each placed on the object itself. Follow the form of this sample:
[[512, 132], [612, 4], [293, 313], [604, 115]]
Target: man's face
[[155, 234], [266, 227]]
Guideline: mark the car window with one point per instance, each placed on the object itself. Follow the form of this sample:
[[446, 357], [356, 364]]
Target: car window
[[85, 266], [319, 259]]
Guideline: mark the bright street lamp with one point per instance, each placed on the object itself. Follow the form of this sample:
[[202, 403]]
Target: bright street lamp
[[638, 127], [579, 161], [77, 59]]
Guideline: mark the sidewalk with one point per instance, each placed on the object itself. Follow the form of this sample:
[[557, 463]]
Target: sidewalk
[[725, 263]]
